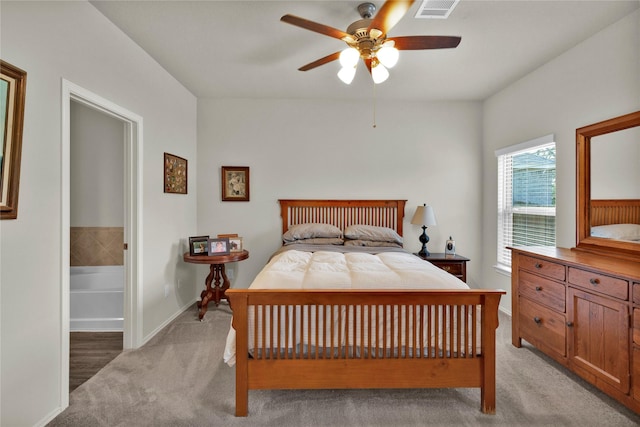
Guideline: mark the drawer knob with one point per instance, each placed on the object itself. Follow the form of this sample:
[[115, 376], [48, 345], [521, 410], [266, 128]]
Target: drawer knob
[[594, 282], [538, 265], [570, 324], [537, 320], [538, 288], [446, 268]]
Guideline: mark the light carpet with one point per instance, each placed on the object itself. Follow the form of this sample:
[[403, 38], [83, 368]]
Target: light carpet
[[179, 379]]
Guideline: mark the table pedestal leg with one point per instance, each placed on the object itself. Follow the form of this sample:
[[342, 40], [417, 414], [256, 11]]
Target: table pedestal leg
[[216, 292]]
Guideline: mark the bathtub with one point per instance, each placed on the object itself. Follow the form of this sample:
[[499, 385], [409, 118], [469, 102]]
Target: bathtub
[[96, 298]]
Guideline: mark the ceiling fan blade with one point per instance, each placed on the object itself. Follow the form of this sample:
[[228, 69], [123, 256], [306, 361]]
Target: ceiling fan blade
[[320, 62], [390, 14], [314, 26], [426, 42]]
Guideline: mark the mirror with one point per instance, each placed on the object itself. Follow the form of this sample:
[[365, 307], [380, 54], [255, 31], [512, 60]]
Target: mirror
[[608, 185]]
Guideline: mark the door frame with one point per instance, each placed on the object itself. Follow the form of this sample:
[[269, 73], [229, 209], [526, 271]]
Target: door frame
[[133, 131]]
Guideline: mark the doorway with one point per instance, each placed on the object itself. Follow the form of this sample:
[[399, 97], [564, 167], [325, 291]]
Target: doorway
[[132, 204], [96, 300]]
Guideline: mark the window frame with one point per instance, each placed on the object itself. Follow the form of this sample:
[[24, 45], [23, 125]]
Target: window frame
[[505, 192]]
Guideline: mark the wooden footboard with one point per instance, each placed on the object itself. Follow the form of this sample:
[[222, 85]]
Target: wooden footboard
[[333, 339]]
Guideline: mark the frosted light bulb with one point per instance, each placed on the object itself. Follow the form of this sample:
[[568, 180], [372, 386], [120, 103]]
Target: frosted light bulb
[[346, 74], [379, 74], [349, 57], [388, 56]]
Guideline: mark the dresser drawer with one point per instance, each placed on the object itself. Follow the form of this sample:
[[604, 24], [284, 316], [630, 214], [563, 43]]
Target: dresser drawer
[[542, 291], [451, 268], [542, 327], [546, 268], [607, 285], [636, 293]]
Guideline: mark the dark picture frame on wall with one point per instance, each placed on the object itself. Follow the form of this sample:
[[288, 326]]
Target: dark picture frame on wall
[[199, 245], [13, 87], [235, 183], [219, 246], [175, 174]]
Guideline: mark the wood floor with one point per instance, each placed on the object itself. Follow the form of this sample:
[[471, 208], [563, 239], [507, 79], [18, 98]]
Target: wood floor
[[89, 352]]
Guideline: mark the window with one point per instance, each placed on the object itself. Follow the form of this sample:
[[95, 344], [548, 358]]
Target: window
[[526, 196]]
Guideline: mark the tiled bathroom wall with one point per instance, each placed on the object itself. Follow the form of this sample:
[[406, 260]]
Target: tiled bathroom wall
[[91, 246]]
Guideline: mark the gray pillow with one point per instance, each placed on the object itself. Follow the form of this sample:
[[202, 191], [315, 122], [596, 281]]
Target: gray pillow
[[372, 233], [311, 231], [371, 243], [317, 241]]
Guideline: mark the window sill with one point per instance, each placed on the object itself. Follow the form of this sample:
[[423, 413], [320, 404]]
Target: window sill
[[502, 269]]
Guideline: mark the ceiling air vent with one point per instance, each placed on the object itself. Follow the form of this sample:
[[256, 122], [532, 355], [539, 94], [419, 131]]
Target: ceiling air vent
[[436, 9]]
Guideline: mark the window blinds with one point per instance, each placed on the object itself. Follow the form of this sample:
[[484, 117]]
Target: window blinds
[[526, 196]]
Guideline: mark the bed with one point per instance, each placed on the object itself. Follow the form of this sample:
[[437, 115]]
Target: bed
[[616, 219], [372, 326]]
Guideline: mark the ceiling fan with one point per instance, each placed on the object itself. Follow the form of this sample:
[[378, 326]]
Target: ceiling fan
[[367, 39]]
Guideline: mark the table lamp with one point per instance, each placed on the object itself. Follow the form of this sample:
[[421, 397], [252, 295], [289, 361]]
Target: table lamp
[[424, 217]]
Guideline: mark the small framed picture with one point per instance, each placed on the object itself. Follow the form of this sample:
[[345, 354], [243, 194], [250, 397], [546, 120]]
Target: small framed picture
[[175, 174], [235, 244], [235, 183], [198, 245], [219, 246]]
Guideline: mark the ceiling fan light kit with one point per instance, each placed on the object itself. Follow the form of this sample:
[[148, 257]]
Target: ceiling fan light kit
[[367, 40]]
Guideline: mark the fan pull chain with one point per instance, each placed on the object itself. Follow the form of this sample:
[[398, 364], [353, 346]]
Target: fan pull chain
[[374, 105]]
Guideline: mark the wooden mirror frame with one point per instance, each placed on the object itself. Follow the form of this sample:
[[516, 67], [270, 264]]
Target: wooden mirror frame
[[584, 239], [12, 147]]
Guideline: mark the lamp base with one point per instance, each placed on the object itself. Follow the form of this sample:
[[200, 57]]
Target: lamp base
[[424, 239]]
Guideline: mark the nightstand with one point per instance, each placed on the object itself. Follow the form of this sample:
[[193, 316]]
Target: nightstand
[[454, 264]]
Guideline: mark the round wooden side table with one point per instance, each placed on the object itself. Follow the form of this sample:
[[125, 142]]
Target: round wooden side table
[[217, 276]]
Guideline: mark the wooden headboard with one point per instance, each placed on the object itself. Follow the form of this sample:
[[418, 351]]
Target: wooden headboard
[[619, 211], [342, 213]]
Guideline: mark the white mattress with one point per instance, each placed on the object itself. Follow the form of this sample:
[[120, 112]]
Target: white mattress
[[296, 269]]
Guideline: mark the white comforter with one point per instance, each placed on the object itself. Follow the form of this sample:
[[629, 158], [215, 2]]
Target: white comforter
[[295, 269]]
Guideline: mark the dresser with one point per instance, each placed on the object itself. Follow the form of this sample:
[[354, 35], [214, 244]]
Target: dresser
[[583, 310]]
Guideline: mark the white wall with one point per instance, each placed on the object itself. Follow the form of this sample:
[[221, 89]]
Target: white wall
[[72, 40], [596, 80], [422, 152], [97, 168]]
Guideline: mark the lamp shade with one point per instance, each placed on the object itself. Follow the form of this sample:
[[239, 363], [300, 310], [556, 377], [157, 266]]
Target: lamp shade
[[349, 57], [424, 216], [346, 74], [388, 56], [379, 73]]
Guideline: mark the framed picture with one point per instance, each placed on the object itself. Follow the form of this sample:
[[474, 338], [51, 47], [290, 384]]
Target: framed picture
[[13, 86], [235, 244], [235, 183], [198, 245], [175, 174], [219, 246]]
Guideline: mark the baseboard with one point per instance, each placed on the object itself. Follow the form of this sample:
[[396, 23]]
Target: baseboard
[[505, 311], [96, 325], [169, 320]]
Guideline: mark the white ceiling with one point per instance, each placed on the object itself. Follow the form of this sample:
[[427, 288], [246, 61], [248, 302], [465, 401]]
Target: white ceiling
[[240, 49]]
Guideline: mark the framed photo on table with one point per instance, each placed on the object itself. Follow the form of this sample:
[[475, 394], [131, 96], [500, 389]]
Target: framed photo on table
[[198, 245], [235, 183], [235, 242], [219, 246]]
